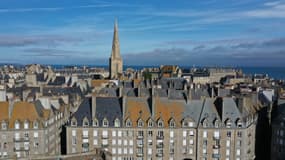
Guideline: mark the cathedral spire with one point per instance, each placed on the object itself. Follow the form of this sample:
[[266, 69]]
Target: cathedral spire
[[116, 44], [115, 61]]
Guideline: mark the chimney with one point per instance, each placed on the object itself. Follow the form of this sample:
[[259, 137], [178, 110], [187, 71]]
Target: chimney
[[120, 91], [139, 91], [124, 106], [11, 106], [93, 108]]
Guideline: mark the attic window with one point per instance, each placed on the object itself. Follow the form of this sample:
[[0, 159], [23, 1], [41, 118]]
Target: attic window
[[95, 123], [117, 123], [73, 122], [105, 123], [26, 125], [140, 123], [228, 123], [128, 123], [150, 123], [172, 124], [239, 123], [17, 125], [4, 125], [85, 123], [160, 123]]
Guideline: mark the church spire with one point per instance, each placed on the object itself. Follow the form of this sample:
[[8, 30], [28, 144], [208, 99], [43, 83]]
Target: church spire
[[115, 61], [116, 44]]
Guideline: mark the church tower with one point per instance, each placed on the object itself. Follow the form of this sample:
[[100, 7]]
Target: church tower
[[115, 61]]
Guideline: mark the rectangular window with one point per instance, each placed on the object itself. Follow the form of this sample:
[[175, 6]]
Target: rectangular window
[[119, 133], [238, 152], [95, 142], [191, 151], [74, 133], [131, 142], [191, 141], [105, 134], [125, 142], [205, 134], [119, 142], [131, 151], [125, 150], [171, 134], [114, 151], [36, 134], [191, 133], [227, 152], [184, 133], [114, 133], [228, 143], [95, 133], [184, 142], [149, 151], [217, 134]]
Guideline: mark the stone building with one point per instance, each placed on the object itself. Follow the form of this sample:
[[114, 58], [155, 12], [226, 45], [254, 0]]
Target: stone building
[[175, 124], [115, 61], [27, 129]]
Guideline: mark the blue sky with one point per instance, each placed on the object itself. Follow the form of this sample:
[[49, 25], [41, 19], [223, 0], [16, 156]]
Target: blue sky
[[184, 32]]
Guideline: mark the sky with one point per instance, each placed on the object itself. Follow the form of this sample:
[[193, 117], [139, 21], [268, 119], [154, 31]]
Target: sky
[[183, 32]]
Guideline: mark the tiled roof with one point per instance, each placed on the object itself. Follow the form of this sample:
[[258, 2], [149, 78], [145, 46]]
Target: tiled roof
[[4, 111]]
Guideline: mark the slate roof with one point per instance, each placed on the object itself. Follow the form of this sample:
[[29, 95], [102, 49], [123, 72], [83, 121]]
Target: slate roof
[[108, 107], [84, 110]]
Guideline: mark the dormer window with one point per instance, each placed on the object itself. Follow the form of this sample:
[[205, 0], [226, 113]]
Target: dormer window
[[73, 122], [4, 125], [160, 123], [172, 123], [26, 124], [150, 123], [140, 123], [228, 123], [117, 123], [205, 122], [95, 123], [128, 123], [85, 122], [238, 123], [105, 122], [17, 125], [216, 123]]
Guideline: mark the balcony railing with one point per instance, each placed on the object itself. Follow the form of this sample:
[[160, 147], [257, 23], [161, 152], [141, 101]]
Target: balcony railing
[[85, 136], [159, 154], [216, 155], [159, 137], [17, 149], [140, 145], [216, 146], [139, 137], [139, 154], [24, 139], [159, 145]]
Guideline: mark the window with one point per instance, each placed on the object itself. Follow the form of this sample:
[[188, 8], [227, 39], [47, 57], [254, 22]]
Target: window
[[73, 133], [105, 122], [238, 152], [228, 123], [160, 123], [128, 123], [228, 143], [17, 125], [4, 125], [205, 134], [216, 134], [73, 122], [140, 123], [36, 125], [172, 124], [150, 134], [229, 133], [95, 123], [191, 124], [171, 134], [114, 133], [227, 152], [36, 134], [95, 133], [191, 133], [191, 141], [85, 122], [184, 133], [160, 134], [117, 123], [150, 123], [26, 125], [140, 133], [95, 142], [239, 134]]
